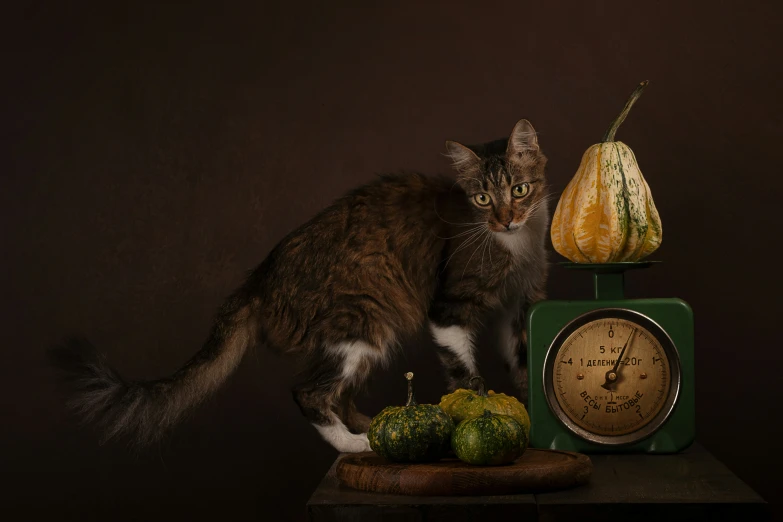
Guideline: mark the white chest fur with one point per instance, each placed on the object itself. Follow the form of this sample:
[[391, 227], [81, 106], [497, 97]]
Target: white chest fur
[[528, 240]]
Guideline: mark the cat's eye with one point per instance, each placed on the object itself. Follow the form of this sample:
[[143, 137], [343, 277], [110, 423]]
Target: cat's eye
[[520, 191], [482, 199]]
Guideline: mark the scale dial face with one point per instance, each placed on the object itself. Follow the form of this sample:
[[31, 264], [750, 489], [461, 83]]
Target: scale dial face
[[612, 376]]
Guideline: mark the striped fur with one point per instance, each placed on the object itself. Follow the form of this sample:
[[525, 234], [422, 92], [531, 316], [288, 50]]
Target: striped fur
[[344, 289]]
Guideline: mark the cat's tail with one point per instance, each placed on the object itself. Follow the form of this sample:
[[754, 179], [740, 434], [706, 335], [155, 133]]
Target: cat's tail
[[144, 410]]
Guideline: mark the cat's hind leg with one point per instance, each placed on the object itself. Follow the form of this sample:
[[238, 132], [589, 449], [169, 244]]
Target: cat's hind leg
[[326, 398]]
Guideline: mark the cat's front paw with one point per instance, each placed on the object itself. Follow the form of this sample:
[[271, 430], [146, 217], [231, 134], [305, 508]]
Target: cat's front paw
[[343, 440], [356, 444]]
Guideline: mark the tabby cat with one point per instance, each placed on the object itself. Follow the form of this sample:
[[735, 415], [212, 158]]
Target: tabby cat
[[394, 256]]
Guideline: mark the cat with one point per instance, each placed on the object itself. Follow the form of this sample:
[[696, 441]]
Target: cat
[[402, 253]]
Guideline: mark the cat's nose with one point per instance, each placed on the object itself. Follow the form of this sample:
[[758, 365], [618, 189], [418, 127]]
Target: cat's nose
[[508, 224]]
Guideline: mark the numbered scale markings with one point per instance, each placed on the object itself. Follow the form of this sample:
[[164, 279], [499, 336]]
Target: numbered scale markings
[[612, 376]]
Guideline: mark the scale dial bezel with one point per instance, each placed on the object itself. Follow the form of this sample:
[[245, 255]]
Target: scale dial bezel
[[675, 381]]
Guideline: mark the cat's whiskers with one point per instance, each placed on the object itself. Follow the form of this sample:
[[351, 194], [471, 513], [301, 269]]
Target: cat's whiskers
[[468, 241], [548, 197], [487, 245], [465, 243], [543, 199], [535, 206], [487, 231], [470, 230], [490, 250]]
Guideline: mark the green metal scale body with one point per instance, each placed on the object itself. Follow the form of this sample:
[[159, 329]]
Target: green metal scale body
[[611, 374]]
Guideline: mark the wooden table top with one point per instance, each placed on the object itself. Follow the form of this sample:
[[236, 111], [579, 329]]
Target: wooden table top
[[692, 485]]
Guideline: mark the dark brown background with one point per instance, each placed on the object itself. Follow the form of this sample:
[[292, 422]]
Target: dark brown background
[[151, 155]]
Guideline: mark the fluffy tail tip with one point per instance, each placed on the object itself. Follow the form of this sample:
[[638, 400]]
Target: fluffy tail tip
[[96, 390]]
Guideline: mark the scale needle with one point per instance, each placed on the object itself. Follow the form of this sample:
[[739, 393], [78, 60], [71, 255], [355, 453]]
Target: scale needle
[[611, 375]]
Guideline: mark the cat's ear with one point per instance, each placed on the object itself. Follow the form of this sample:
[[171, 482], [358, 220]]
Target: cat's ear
[[523, 139], [462, 158]]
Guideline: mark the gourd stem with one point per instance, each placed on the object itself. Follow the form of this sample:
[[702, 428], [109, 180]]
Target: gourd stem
[[609, 136], [411, 399], [481, 390]]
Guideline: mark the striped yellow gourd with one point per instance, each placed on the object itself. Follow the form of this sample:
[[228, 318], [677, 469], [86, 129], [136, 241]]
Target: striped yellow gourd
[[606, 213]]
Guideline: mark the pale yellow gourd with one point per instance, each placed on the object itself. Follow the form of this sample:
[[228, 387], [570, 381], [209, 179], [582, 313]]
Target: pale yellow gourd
[[606, 213]]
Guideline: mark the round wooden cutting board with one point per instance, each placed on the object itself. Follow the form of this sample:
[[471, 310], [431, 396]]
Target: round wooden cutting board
[[537, 470]]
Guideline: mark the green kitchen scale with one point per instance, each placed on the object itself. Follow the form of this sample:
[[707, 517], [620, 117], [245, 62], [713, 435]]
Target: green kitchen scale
[[611, 374]]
